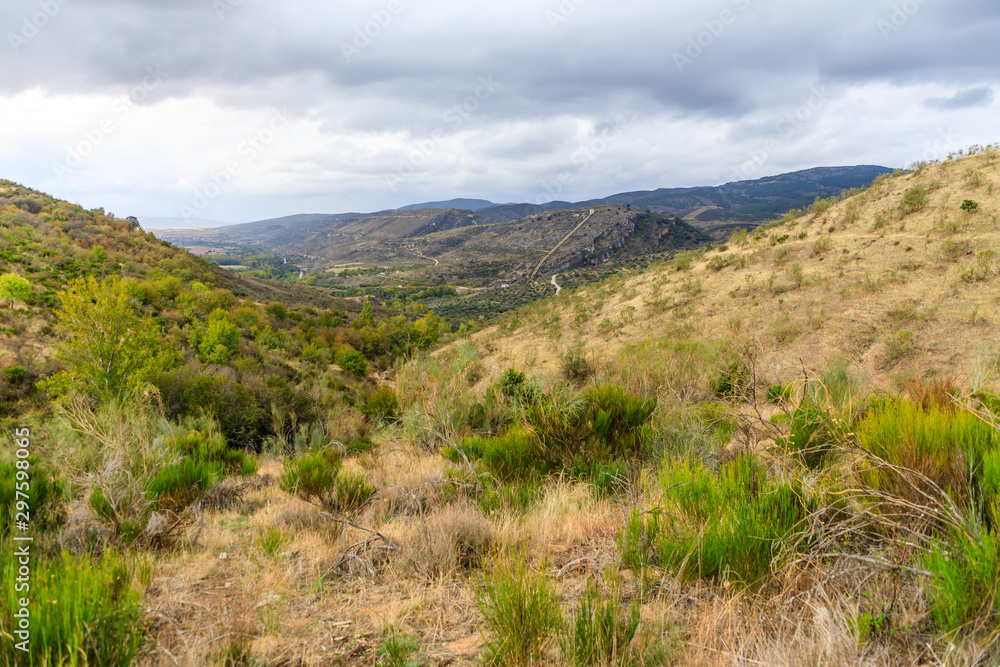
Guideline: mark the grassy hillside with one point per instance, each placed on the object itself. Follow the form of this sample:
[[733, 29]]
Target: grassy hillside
[[896, 279], [784, 450]]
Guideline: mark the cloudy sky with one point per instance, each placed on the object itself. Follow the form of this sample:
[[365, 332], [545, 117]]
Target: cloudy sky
[[237, 110]]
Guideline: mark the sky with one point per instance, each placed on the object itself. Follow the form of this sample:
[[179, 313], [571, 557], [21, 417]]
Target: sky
[[240, 110]]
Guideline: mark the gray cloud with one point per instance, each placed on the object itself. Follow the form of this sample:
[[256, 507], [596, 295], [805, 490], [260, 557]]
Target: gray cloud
[[706, 87], [981, 96]]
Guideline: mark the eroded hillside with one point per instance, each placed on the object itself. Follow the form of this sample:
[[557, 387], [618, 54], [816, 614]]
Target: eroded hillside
[[899, 278]]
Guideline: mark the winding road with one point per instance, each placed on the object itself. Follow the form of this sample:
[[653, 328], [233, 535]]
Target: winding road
[[555, 284], [558, 245]]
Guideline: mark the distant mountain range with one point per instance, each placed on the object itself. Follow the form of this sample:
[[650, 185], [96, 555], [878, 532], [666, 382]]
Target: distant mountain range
[[475, 238]]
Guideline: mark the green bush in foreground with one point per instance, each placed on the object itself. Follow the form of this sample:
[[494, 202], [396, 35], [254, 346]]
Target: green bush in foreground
[[521, 611], [83, 612], [45, 492], [726, 525], [966, 591], [317, 477]]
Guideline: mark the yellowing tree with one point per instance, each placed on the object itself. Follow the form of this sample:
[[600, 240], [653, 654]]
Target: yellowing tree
[[112, 351], [13, 286]]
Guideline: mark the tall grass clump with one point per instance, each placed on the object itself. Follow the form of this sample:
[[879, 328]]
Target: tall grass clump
[[728, 525], [521, 611], [45, 492], [92, 615], [601, 631], [944, 445], [966, 591]]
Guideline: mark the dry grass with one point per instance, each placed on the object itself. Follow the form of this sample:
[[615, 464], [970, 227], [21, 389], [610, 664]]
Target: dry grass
[[874, 259]]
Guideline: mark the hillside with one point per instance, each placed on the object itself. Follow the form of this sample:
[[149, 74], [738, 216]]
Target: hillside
[[896, 280]]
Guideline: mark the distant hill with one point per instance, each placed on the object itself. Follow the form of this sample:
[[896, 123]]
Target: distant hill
[[467, 204]]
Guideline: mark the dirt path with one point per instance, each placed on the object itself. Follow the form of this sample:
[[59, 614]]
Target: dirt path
[[558, 245], [412, 252], [555, 284]]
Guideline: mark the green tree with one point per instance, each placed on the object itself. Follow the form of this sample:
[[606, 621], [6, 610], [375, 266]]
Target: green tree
[[13, 286], [221, 338], [112, 351], [366, 319]]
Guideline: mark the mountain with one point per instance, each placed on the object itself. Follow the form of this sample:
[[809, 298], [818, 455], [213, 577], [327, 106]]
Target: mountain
[[455, 238], [467, 204], [896, 279]]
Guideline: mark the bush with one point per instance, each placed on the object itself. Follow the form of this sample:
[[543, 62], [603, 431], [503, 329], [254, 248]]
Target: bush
[[312, 476], [46, 491], [353, 491], [966, 588], [382, 405], [618, 422], [945, 446], [175, 487], [735, 380], [970, 206], [601, 631], [92, 614], [729, 525], [353, 363], [914, 200], [575, 365], [521, 611], [812, 435]]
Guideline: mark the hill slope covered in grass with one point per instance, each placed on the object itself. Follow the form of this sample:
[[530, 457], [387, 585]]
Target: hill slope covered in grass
[[784, 450], [897, 279]]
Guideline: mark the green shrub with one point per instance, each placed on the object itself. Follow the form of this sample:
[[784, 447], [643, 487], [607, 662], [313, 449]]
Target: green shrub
[[780, 393], [382, 405], [175, 487], [945, 446], [735, 380], [91, 616], [601, 631], [970, 206], [965, 592], [220, 340], [396, 649], [618, 421], [516, 384], [353, 491], [521, 611], [812, 435], [45, 489], [312, 477], [576, 367], [914, 200], [509, 497], [353, 363], [731, 524], [16, 374], [270, 540]]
